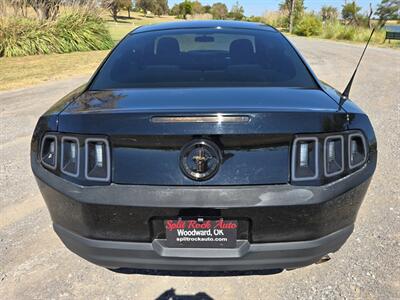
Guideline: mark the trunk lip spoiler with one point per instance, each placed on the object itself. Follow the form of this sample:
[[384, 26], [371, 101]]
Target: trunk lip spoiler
[[219, 118]]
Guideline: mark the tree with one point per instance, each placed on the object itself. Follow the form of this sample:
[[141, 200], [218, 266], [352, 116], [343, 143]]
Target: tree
[[237, 12], [294, 9], [197, 7], [207, 9], [45, 9], [145, 5], [115, 6], [160, 7], [129, 8], [175, 11], [291, 15], [350, 12], [369, 15], [19, 6], [329, 13], [388, 10], [185, 8], [181, 10], [219, 11]]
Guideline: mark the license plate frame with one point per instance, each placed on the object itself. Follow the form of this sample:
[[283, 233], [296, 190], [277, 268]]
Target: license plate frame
[[201, 233]]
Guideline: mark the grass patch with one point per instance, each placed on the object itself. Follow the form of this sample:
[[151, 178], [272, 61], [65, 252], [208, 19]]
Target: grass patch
[[340, 32], [125, 25], [72, 31], [19, 72]]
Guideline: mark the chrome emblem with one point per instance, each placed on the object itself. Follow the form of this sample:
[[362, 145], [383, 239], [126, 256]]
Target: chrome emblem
[[200, 159]]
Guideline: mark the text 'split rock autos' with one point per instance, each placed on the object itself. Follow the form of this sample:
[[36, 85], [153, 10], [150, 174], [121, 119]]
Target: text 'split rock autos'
[[204, 146]]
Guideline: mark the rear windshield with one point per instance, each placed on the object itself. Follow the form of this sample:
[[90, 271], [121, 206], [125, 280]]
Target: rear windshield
[[203, 58]]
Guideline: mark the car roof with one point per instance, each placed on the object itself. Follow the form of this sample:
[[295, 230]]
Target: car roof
[[204, 24]]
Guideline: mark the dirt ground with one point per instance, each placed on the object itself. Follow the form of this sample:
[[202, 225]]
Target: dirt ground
[[35, 265]]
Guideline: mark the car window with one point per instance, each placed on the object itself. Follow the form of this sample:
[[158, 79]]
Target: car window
[[203, 58]]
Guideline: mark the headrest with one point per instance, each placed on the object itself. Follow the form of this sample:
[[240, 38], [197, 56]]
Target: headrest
[[168, 46], [241, 51]]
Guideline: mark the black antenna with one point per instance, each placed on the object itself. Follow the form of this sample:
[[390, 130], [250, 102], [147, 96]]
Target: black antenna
[[346, 93]]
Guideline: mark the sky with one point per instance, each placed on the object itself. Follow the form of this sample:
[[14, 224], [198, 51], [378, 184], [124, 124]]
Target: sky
[[258, 7]]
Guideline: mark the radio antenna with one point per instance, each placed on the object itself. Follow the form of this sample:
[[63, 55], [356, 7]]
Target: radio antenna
[[345, 95]]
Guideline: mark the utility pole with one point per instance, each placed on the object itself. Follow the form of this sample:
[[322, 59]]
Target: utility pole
[[291, 16]]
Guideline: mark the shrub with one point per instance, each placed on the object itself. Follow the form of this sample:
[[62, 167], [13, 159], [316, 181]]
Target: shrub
[[85, 32], [309, 25], [346, 33], [219, 11], [363, 34], [336, 30], [72, 31], [255, 19], [330, 30], [276, 19]]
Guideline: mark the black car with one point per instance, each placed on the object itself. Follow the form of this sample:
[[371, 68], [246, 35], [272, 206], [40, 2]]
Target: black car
[[204, 146]]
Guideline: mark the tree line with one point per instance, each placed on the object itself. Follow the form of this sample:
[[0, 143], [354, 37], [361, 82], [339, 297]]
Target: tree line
[[292, 10], [350, 13], [218, 10], [182, 10]]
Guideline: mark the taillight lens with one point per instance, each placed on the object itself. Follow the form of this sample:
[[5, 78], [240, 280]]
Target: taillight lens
[[97, 159], [322, 158], [70, 155], [305, 159], [334, 155], [48, 151], [357, 150]]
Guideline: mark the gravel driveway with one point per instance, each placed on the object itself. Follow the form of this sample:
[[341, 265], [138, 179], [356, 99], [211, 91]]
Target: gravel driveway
[[35, 265]]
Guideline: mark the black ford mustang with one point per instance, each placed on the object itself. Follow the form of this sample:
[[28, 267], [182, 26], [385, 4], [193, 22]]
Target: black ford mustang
[[204, 146]]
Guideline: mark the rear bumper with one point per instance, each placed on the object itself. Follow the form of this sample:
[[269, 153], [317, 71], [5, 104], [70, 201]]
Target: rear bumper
[[246, 256], [280, 226]]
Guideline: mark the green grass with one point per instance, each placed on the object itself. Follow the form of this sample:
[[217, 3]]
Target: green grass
[[125, 25], [18, 72]]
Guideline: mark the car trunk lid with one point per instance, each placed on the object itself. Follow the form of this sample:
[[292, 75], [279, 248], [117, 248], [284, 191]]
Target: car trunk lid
[[255, 147]]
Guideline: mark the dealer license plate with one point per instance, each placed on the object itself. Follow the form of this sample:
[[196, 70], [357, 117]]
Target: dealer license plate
[[199, 233]]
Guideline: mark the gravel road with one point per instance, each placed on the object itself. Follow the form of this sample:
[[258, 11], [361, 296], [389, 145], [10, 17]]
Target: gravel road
[[35, 265]]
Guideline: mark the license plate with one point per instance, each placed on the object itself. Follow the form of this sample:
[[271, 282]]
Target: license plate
[[199, 233]]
